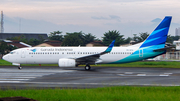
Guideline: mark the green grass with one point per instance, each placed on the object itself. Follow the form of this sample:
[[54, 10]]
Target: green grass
[[162, 64], [5, 63], [122, 93]]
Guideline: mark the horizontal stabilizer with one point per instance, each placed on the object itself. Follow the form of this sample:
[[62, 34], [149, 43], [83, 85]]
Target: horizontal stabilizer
[[162, 49]]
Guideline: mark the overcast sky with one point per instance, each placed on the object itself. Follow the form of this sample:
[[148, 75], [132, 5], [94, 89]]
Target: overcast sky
[[94, 16]]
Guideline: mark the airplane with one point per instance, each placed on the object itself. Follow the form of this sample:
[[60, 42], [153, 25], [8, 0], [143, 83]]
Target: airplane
[[153, 46]]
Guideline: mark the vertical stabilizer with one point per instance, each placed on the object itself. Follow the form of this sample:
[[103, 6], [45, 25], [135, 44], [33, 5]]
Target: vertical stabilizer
[[159, 35]]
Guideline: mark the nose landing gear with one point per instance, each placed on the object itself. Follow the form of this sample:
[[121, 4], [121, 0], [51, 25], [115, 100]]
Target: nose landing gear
[[17, 64]]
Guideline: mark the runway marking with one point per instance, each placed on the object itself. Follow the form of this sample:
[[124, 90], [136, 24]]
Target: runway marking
[[17, 76], [163, 75], [135, 74], [10, 81], [168, 73], [13, 79], [34, 71], [108, 84], [128, 73], [141, 74]]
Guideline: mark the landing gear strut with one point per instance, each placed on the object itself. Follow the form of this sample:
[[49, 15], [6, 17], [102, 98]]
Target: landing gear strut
[[87, 67], [19, 67]]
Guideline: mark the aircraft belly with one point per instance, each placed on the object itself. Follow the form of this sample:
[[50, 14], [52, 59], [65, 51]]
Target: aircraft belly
[[112, 57]]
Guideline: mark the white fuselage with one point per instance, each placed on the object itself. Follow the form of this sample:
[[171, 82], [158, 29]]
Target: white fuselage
[[51, 55]]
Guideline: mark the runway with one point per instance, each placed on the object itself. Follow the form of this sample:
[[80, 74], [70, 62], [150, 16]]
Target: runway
[[44, 77]]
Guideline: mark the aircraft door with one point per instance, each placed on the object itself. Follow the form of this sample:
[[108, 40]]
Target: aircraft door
[[22, 53], [140, 53]]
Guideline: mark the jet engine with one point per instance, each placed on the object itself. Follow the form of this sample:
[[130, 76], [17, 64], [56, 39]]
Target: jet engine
[[67, 62]]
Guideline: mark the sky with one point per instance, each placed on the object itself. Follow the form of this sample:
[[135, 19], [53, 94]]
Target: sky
[[93, 16]]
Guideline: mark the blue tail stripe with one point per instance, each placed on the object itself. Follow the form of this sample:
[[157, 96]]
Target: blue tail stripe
[[151, 40], [165, 23], [157, 31], [159, 35], [158, 41]]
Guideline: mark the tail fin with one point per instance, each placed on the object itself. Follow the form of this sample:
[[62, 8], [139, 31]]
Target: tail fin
[[159, 35]]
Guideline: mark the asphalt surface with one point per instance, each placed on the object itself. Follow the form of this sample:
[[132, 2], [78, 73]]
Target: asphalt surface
[[53, 77]]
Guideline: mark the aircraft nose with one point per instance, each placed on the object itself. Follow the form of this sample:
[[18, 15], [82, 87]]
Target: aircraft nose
[[5, 57]]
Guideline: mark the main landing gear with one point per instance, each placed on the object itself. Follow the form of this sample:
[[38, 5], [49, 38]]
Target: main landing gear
[[19, 67], [87, 67]]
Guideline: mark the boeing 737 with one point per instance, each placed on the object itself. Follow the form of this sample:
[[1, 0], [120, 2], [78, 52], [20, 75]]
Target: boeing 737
[[153, 46]]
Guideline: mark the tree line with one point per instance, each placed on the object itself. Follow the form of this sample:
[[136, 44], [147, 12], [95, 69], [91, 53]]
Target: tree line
[[80, 38]]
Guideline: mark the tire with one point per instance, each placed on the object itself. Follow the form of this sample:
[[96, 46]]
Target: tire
[[87, 67], [19, 68]]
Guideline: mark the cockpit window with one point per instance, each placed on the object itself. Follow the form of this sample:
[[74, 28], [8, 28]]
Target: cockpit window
[[12, 52]]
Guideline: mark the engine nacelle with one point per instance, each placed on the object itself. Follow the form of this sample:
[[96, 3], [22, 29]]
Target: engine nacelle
[[67, 62]]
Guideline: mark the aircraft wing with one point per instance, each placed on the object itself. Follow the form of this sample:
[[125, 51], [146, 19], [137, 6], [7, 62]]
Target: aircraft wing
[[91, 59]]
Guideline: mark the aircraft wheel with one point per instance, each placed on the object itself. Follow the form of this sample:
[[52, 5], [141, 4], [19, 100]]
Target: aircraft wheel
[[87, 67], [19, 68]]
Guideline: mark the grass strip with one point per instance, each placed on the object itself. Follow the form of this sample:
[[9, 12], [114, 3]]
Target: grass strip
[[121, 93], [162, 64]]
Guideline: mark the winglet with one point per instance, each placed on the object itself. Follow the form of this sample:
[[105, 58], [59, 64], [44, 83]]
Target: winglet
[[110, 47]]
